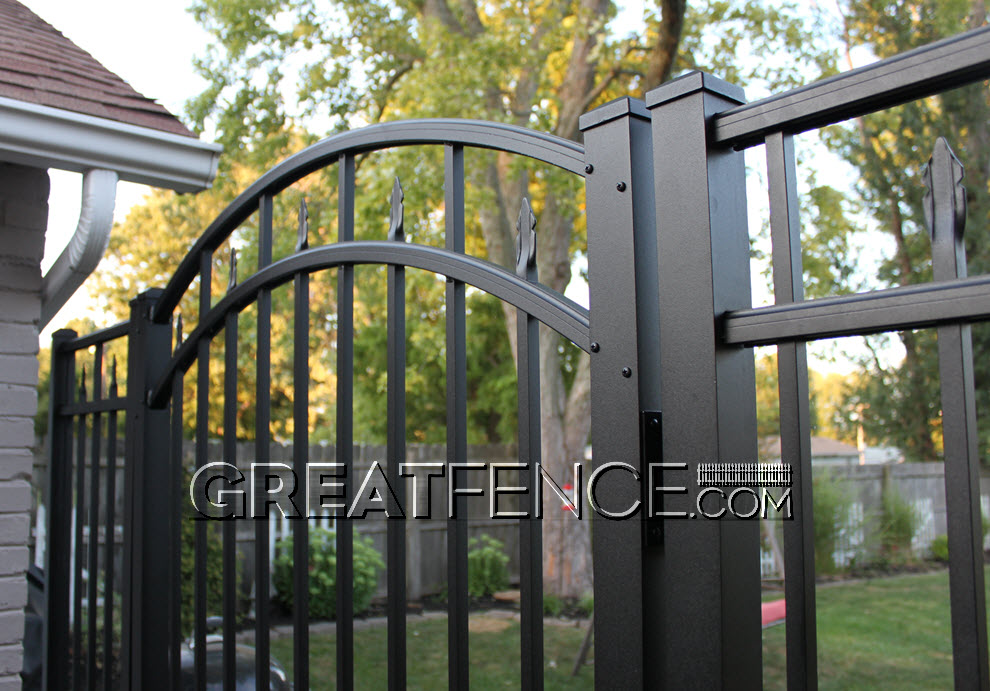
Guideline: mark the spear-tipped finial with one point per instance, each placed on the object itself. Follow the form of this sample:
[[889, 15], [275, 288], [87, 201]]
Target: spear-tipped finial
[[113, 377], [302, 232], [945, 212], [943, 177], [178, 331], [82, 385], [232, 280], [396, 229], [525, 239]]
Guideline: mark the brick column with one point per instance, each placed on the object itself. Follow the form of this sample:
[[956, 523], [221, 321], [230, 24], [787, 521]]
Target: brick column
[[23, 219]]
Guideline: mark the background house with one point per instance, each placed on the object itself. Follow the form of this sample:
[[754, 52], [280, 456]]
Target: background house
[[831, 452], [59, 108]]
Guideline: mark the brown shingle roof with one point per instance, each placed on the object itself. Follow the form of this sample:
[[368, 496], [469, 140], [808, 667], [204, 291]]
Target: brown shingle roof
[[39, 65]]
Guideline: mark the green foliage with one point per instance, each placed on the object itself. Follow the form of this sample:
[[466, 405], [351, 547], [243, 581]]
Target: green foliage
[[831, 513], [940, 548], [214, 572], [487, 567], [889, 148], [940, 545], [897, 524], [323, 573], [586, 604], [553, 605], [827, 401]]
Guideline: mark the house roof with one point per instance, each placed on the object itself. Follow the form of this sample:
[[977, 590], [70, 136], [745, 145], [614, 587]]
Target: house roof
[[41, 66], [820, 447]]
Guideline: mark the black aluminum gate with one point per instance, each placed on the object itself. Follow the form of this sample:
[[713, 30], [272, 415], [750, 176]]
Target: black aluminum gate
[[677, 601]]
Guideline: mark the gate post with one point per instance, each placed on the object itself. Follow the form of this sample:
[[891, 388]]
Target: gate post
[[54, 664], [147, 506], [624, 383], [709, 572]]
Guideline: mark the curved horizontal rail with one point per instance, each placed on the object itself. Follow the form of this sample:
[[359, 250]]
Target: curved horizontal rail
[[548, 148], [556, 311]]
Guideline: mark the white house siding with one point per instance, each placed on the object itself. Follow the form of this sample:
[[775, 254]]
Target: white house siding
[[23, 219]]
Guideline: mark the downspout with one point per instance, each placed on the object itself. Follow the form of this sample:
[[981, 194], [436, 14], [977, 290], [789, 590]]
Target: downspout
[[86, 247]]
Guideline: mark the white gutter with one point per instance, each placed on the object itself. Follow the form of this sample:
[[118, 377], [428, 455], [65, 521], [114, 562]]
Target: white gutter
[[85, 248], [45, 137], [104, 151]]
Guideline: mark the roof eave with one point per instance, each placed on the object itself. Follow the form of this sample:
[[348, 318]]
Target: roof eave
[[48, 137]]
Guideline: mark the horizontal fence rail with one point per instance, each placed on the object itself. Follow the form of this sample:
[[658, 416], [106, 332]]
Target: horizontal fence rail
[[925, 71], [895, 309], [556, 151], [556, 311]]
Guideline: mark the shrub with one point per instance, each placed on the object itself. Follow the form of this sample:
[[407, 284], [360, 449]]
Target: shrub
[[587, 604], [831, 513], [898, 522], [940, 548], [487, 566], [323, 573], [553, 605], [214, 571]]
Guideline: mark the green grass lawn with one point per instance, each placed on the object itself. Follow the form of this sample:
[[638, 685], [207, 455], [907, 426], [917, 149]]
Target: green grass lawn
[[494, 657], [890, 633]]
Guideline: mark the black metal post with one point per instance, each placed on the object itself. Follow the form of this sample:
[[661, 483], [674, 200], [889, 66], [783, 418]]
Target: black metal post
[[946, 211], [795, 418], [624, 381], [147, 511], [395, 530], [300, 457], [262, 447], [709, 572], [528, 434], [59, 503], [345, 426], [458, 650], [92, 548]]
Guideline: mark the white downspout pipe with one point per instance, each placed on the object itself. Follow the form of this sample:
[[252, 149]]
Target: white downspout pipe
[[87, 245]]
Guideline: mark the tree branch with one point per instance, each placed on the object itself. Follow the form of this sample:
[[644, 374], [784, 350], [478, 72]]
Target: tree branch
[[664, 53], [382, 101]]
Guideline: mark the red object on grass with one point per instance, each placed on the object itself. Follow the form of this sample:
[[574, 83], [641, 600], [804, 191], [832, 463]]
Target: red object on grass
[[774, 612]]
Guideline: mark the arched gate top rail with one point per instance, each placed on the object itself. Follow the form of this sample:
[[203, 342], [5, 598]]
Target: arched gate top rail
[[559, 313], [540, 146]]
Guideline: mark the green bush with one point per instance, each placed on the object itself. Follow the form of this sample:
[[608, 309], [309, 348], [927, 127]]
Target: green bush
[[553, 605], [487, 566], [214, 570], [323, 573], [587, 604], [831, 512], [940, 548], [896, 528]]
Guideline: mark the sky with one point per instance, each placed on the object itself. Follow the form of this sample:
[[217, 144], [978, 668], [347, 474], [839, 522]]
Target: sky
[[151, 46]]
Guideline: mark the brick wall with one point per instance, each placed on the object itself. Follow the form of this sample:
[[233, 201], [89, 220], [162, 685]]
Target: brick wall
[[23, 219]]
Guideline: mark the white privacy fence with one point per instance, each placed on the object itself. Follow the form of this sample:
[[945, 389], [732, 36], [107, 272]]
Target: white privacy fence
[[920, 485]]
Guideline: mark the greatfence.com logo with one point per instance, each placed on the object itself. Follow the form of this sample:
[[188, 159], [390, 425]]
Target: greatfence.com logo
[[220, 490]]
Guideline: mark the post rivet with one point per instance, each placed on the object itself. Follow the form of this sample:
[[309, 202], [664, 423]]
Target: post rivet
[[621, 187], [589, 169], [626, 372], [595, 347]]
